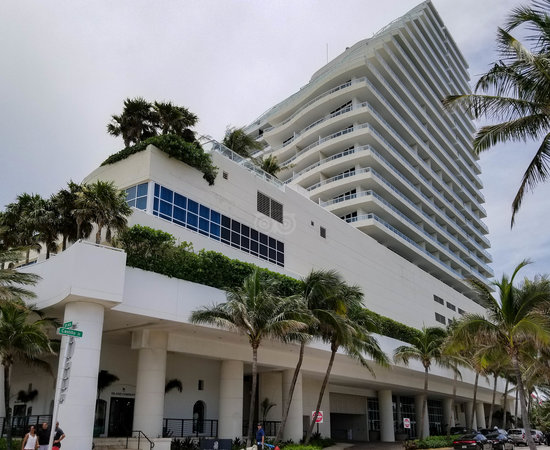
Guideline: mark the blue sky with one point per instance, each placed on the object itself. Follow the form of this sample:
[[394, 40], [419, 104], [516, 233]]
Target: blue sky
[[68, 65]]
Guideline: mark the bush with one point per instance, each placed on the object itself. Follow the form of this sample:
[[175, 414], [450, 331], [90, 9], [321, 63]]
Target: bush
[[190, 153], [302, 447], [435, 441], [15, 443], [187, 443]]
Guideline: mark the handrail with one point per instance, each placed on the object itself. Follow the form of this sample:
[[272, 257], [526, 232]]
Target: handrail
[[139, 432]]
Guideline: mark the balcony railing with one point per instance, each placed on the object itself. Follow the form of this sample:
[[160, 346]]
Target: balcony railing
[[207, 428]]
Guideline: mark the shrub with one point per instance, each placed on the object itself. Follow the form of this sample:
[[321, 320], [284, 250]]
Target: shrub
[[187, 443], [435, 441], [190, 153]]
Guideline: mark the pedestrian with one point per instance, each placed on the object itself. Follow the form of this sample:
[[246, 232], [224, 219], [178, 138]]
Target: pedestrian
[[59, 436], [43, 436], [260, 437], [30, 441]]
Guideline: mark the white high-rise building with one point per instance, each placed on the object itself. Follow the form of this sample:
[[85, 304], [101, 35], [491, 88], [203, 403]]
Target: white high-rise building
[[368, 139]]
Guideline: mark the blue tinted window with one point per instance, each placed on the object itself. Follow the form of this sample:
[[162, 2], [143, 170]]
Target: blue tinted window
[[179, 214], [192, 220], [226, 235], [131, 193], [142, 189], [214, 229], [203, 225], [215, 216], [226, 222], [141, 203], [193, 206], [166, 208], [180, 200], [204, 212], [167, 194], [131, 202], [157, 190], [156, 205], [164, 216]]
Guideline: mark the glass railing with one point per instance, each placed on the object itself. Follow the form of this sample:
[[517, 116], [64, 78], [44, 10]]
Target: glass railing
[[338, 177]]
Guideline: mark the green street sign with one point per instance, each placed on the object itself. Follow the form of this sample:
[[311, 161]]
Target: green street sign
[[67, 325], [69, 332]]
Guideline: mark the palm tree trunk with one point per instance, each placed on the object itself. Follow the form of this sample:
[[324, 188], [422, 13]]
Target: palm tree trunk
[[424, 403], [64, 243], [253, 393], [504, 403], [27, 255], [493, 402], [334, 348], [522, 404], [516, 405], [7, 422], [98, 235], [471, 421], [453, 401], [290, 394]]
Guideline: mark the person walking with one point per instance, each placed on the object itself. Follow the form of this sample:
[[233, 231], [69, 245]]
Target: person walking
[[43, 436], [59, 436], [260, 437], [30, 441]]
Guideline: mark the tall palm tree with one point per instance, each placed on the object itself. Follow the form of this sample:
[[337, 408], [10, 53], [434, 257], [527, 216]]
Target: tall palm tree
[[426, 347], [342, 325], [105, 205], [269, 164], [135, 124], [241, 143], [22, 339], [515, 323], [172, 119], [255, 311], [516, 92], [12, 282]]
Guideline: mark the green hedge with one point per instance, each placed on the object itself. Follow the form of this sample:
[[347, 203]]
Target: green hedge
[[156, 251], [190, 153], [436, 441]]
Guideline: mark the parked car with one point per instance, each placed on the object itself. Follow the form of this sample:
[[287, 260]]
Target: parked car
[[538, 437], [500, 440], [460, 430], [518, 436], [473, 440]]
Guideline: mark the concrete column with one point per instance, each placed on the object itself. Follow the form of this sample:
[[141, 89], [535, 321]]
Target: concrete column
[[150, 381], [294, 428], [270, 386], [76, 413], [419, 401], [480, 415], [448, 414], [231, 400], [387, 432]]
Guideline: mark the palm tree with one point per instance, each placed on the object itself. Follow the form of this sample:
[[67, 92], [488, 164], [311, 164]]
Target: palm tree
[[241, 143], [12, 281], [515, 91], [105, 205], [136, 123], [269, 164], [255, 311], [426, 347], [515, 323], [104, 380], [22, 339], [342, 324], [174, 383], [172, 119]]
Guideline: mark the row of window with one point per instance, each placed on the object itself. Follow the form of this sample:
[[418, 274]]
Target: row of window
[[188, 213], [136, 196], [449, 305]]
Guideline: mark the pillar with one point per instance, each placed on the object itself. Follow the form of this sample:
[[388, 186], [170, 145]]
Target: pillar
[[150, 381], [468, 413], [76, 413], [419, 401], [480, 415], [294, 428], [448, 414], [387, 432], [231, 400]]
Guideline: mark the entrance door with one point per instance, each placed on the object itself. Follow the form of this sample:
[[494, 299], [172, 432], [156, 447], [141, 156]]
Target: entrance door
[[121, 416]]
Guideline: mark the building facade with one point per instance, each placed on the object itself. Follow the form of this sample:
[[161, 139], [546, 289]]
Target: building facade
[[367, 141]]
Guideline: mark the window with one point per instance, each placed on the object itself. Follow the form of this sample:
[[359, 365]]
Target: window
[[323, 232], [201, 385], [341, 108], [136, 196], [349, 217], [225, 175], [345, 196], [271, 208], [461, 312], [195, 216], [441, 319], [439, 300], [451, 306]]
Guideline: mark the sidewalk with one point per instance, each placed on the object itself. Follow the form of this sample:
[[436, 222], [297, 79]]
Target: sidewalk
[[367, 446]]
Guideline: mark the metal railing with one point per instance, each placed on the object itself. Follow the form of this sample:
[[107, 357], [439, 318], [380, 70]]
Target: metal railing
[[271, 427], [190, 427], [20, 424], [139, 434]]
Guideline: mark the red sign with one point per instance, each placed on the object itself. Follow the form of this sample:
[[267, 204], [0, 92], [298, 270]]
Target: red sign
[[406, 423], [319, 416]]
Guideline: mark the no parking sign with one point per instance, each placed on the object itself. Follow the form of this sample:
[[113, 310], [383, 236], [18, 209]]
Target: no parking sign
[[406, 423], [319, 416]]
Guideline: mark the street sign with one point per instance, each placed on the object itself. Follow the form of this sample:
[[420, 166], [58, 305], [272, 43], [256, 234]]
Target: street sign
[[406, 423], [68, 325], [319, 416], [69, 332]]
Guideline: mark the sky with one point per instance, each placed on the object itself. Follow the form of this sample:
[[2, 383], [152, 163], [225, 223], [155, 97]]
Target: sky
[[67, 66]]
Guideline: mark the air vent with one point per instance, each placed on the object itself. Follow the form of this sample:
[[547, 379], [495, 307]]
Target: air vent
[[271, 208]]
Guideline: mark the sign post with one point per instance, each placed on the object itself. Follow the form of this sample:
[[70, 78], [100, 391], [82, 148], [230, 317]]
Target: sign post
[[318, 419], [63, 374]]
